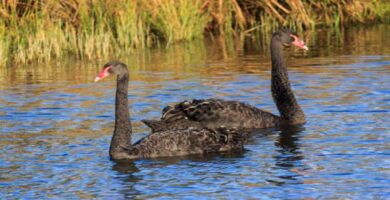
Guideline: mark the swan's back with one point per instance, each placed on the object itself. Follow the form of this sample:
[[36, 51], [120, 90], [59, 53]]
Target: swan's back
[[213, 113], [187, 142]]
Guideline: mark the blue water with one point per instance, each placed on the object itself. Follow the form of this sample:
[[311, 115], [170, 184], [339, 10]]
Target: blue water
[[56, 126]]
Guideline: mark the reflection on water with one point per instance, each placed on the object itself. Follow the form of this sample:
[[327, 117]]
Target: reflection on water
[[289, 153], [56, 123], [125, 174]]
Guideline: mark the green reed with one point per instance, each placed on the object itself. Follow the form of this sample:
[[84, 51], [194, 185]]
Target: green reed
[[99, 29]]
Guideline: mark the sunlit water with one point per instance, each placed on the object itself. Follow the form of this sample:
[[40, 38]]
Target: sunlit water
[[56, 124]]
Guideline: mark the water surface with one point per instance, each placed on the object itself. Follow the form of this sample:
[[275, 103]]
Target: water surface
[[56, 124]]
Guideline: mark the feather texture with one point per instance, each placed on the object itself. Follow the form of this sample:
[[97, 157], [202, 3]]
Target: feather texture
[[184, 142], [212, 114]]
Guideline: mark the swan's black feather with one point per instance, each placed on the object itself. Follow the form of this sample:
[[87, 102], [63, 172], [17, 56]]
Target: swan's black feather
[[212, 113], [185, 142]]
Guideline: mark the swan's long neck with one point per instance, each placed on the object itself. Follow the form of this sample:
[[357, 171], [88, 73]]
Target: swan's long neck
[[290, 111], [122, 134]]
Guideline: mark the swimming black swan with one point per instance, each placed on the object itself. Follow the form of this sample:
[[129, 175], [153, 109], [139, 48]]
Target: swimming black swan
[[165, 143], [213, 113]]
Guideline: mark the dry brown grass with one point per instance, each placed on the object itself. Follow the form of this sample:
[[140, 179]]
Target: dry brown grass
[[43, 30]]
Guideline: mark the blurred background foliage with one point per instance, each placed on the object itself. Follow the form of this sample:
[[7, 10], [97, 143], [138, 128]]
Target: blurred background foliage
[[43, 30]]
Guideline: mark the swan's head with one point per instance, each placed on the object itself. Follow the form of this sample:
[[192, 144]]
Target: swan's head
[[288, 38], [113, 67]]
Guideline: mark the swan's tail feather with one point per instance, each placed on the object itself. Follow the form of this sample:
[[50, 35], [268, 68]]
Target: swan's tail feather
[[155, 125]]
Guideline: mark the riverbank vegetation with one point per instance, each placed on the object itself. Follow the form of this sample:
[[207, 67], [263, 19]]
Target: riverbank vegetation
[[44, 30]]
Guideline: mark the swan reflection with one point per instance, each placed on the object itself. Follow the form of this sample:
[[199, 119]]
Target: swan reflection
[[288, 155], [126, 174]]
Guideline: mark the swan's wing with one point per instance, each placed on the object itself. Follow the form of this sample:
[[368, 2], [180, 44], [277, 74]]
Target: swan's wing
[[212, 113], [212, 110], [195, 110], [189, 141]]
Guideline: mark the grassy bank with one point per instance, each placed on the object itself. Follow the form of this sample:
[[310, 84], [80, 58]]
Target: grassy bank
[[97, 29]]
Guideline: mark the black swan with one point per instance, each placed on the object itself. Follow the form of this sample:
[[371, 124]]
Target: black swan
[[213, 113], [165, 143]]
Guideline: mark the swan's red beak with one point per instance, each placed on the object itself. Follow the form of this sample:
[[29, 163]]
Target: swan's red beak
[[299, 43], [103, 74]]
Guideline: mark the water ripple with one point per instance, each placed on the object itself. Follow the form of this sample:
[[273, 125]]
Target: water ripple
[[55, 137]]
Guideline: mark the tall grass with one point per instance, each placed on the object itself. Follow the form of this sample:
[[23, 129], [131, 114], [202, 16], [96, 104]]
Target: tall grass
[[44, 30], [4, 44], [176, 20]]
